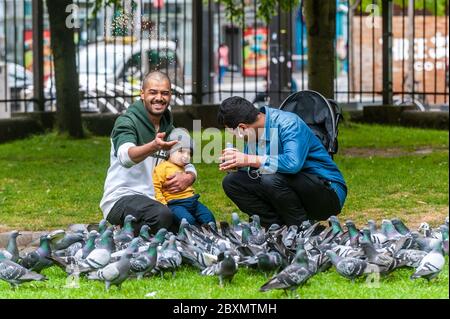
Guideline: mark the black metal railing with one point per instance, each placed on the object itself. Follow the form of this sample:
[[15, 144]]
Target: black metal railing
[[263, 63]]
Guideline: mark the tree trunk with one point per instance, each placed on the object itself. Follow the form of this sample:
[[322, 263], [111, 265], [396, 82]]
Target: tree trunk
[[320, 16], [66, 76]]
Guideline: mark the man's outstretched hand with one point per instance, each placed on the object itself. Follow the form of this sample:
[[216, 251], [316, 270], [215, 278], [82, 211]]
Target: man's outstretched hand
[[178, 182], [161, 144]]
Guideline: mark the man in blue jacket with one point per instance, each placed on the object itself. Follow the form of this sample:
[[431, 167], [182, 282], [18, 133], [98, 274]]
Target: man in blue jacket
[[284, 175]]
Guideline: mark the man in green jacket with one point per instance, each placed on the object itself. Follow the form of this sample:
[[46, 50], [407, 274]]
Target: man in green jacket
[[137, 146]]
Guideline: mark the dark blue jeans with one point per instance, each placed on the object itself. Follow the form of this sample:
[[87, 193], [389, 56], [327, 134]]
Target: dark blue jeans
[[191, 209]]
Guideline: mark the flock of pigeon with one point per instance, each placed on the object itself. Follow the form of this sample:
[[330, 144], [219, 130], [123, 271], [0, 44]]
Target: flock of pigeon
[[292, 255]]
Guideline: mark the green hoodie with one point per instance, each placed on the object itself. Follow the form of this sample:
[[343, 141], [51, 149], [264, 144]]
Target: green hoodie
[[135, 127]]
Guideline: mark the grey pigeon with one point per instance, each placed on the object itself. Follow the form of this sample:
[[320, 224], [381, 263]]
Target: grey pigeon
[[229, 233], [353, 233], [289, 237], [38, 260], [89, 246], [383, 262], [265, 262], [389, 230], [126, 234], [16, 274], [144, 234], [145, 261], [12, 252], [333, 233], [424, 243], [115, 273], [101, 255], [256, 222], [236, 224], [377, 237], [431, 265], [57, 243], [410, 257], [195, 256], [102, 226], [225, 269], [400, 227], [347, 251], [169, 258], [291, 277], [348, 267]]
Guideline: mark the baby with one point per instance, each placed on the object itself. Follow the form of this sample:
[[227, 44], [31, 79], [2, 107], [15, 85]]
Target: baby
[[183, 204]]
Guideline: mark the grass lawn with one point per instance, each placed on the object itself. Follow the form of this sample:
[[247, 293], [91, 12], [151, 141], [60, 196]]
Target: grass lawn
[[48, 182]]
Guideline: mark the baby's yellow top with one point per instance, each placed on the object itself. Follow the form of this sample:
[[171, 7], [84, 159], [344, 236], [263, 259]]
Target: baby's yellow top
[[160, 174]]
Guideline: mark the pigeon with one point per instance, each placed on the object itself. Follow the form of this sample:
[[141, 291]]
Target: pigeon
[[256, 222], [236, 224], [225, 269], [353, 234], [424, 229], [169, 258], [347, 251], [230, 234], [115, 273], [102, 226], [400, 227], [126, 235], [377, 237], [291, 277], [89, 245], [265, 262], [145, 261], [37, 260], [57, 243], [16, 274], [251, 235], [101, 255], [289, 237], [410, 257], [389, 230], [383, 263], [144, 234], [195, 256], [424, 243], [431, 265], [348, 267], [12, 252], [333, 233]]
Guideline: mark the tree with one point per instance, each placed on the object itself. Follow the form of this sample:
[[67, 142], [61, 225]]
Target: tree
[[320, 16], [68, 114]]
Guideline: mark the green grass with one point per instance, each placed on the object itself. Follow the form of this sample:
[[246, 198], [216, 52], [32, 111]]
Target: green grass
[[245, 285], [48, 182]]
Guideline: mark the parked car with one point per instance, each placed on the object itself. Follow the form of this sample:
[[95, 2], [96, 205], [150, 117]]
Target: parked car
[[110, 72], [20, 83]]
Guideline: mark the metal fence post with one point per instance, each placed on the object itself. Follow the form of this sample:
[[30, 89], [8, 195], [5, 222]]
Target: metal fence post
[[279, 55], [387, 52], [197, 54], [38, 54]]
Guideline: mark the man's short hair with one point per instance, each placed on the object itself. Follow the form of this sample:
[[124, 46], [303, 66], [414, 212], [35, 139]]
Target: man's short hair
[[235, 110], [157, 75]]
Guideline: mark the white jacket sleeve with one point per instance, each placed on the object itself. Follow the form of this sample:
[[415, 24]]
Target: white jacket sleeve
[[123, 157]]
